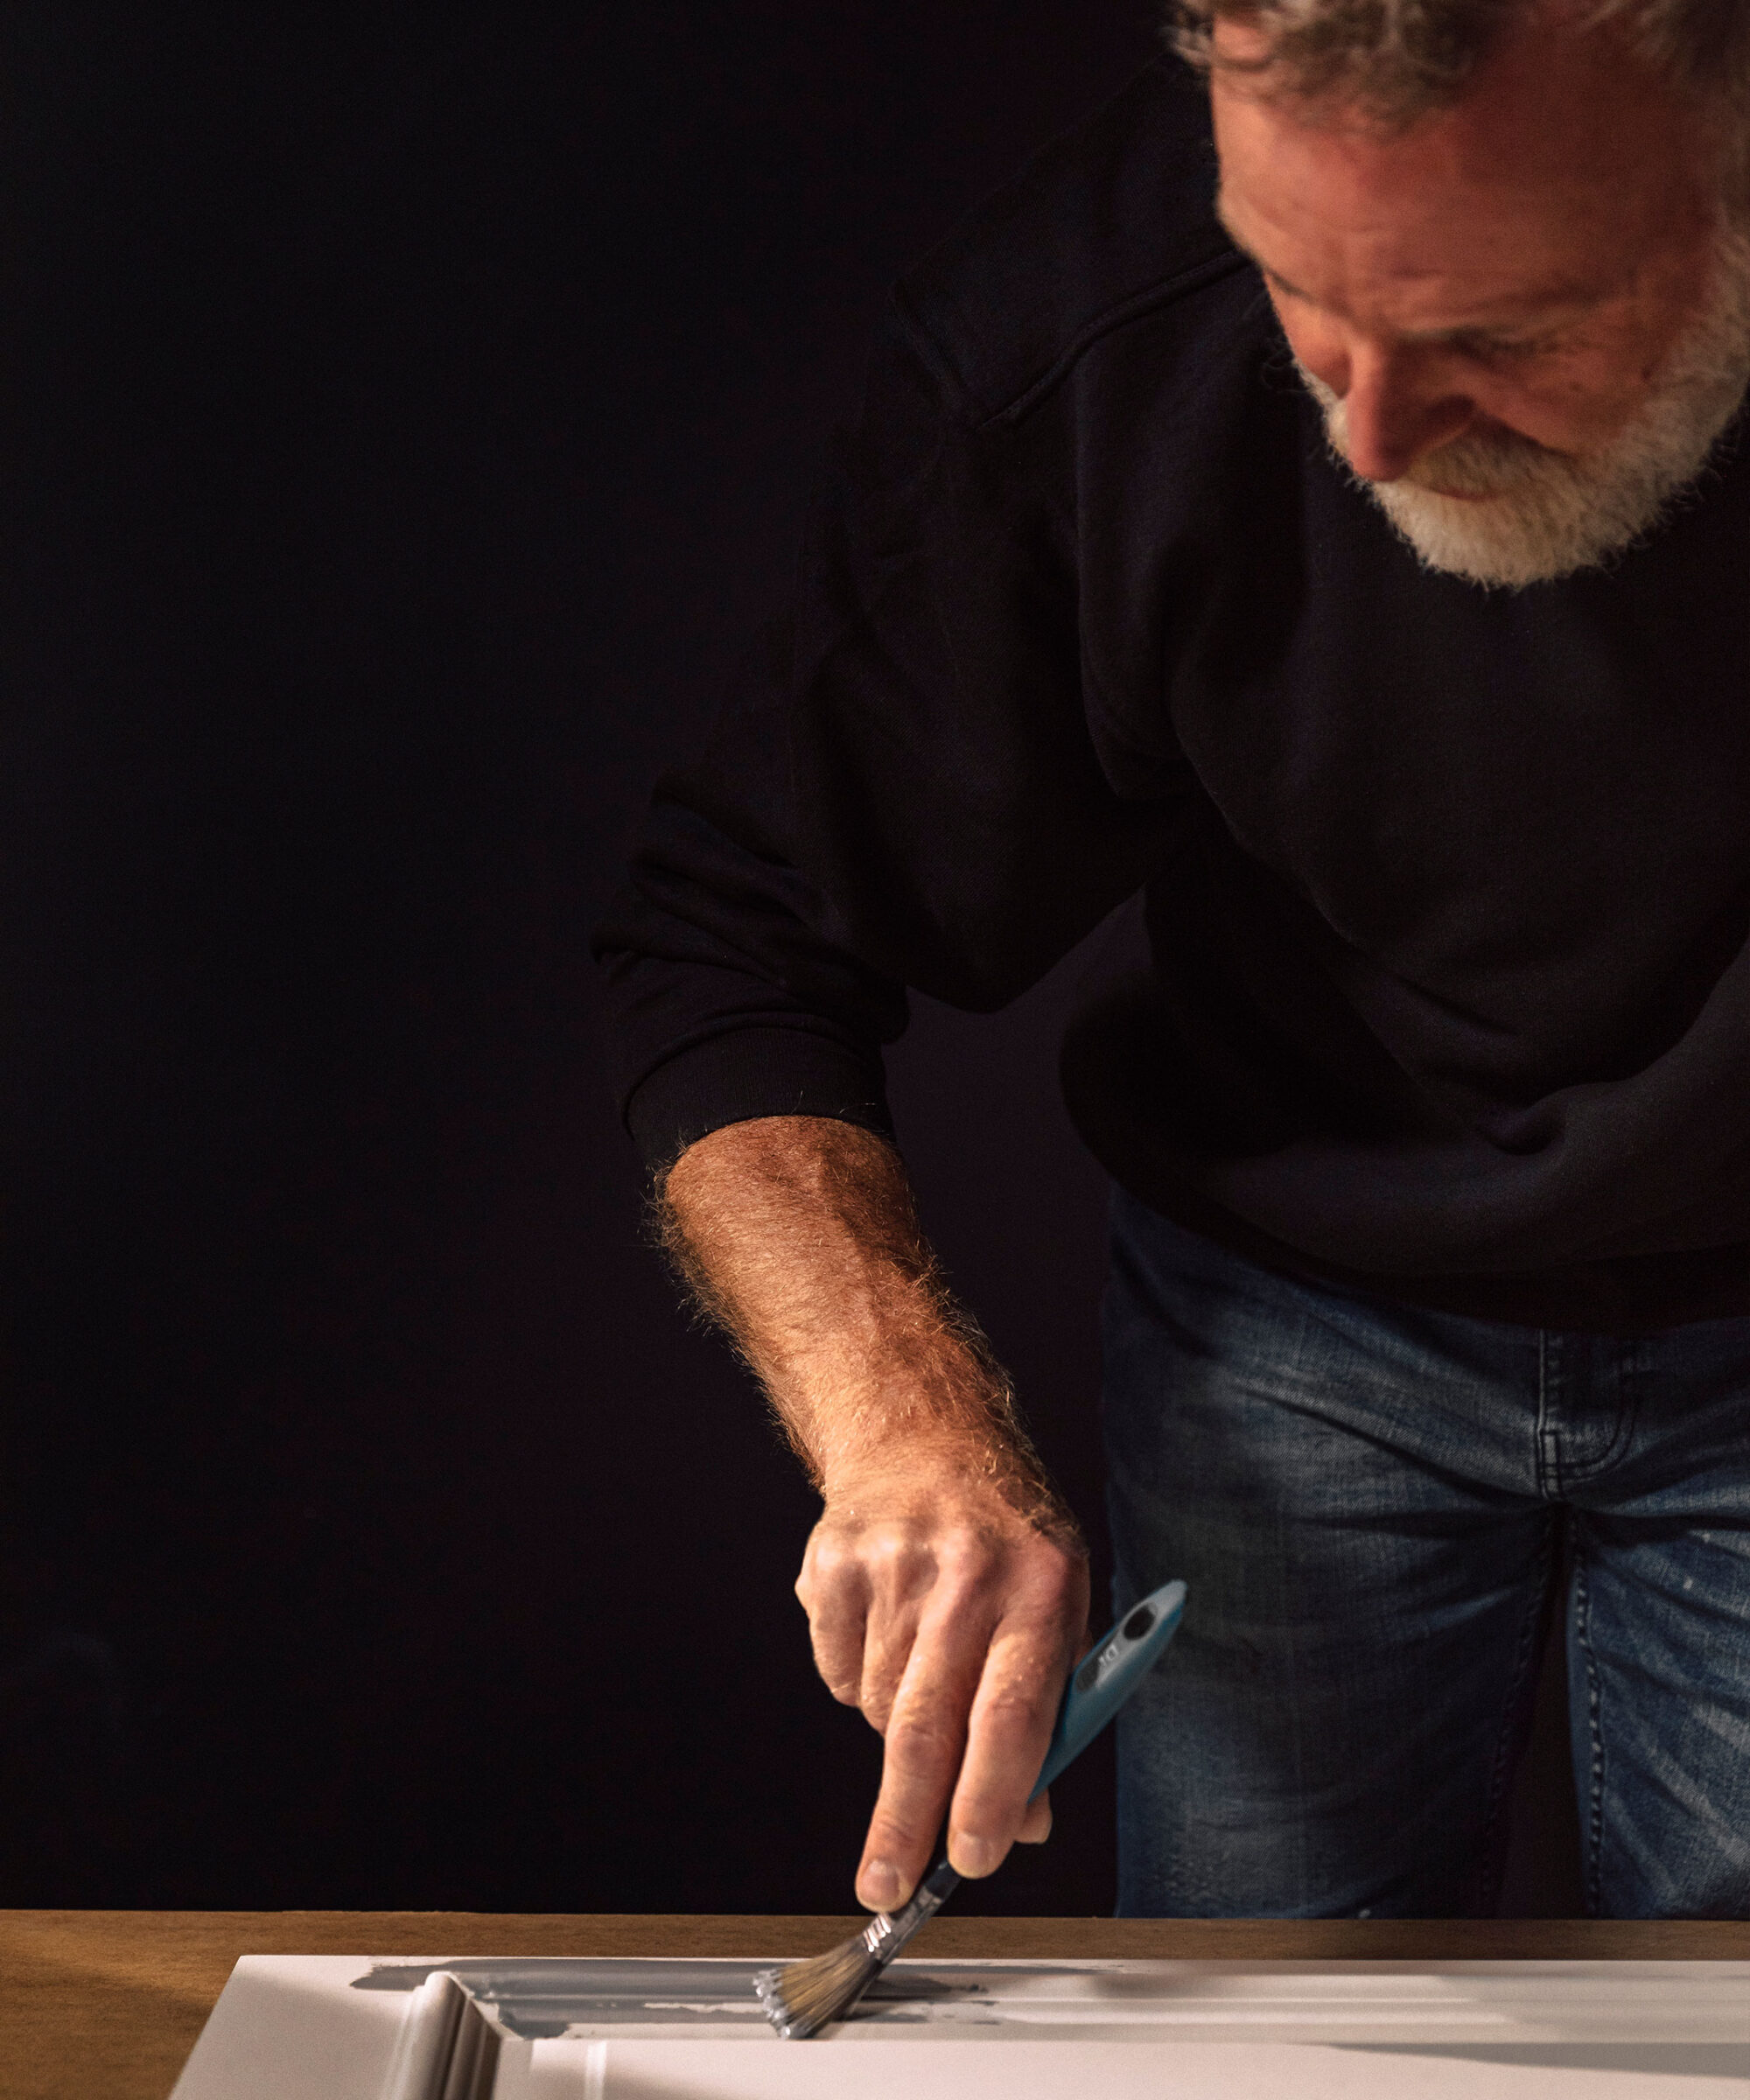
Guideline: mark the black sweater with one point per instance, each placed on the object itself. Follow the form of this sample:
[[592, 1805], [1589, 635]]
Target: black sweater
[[1447, 890]]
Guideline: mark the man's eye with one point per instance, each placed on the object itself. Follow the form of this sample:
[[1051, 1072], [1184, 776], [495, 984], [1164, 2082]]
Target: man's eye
[[1504, 349]]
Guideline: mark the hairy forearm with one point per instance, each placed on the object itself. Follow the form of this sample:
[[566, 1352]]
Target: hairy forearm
[[945, 1582], [798, 1236]]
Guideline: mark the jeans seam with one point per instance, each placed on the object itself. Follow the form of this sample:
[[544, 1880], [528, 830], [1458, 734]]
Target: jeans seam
[[1500, 1784], [1633, 1359], [1594, 1821], [1549, 1444]]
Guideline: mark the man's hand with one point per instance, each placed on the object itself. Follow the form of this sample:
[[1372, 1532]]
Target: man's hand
[[946, 1584], [951, 1619]]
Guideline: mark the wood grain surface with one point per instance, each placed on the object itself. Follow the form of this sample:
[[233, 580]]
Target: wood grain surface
[[105, 2005]]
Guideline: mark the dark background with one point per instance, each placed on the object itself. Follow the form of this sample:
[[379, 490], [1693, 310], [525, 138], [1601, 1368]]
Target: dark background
[[405, 416]]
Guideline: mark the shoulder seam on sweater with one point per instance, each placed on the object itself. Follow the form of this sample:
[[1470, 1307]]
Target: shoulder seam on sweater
[[1127, 310], [978, 415]]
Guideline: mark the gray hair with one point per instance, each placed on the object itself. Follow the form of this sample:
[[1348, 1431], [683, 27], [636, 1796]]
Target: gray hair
[[1398, 59]]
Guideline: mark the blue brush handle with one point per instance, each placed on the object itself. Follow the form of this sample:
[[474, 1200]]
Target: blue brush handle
[[1109, 1675], [1104, 1679]]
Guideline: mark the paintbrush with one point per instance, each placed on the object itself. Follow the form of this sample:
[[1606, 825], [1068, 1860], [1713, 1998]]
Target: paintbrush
[[805, 1997]]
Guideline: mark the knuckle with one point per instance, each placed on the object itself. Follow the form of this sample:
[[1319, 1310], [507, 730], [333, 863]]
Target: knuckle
[[825, 1561], [971, 1552], [1011, 1704], [921, 1742], [897, 1836], [893, 1555]]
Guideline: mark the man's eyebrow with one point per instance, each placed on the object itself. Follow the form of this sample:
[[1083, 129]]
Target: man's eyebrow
[[1254, 259], [1541, 309]]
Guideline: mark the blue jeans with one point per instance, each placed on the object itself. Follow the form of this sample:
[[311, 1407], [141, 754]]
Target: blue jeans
[[1367, 1502]]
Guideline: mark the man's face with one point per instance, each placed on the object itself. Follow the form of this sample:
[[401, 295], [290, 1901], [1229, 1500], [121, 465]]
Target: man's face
[[1516, 314]]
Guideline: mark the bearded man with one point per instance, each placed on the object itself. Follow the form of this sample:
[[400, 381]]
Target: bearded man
[[1309, 499]]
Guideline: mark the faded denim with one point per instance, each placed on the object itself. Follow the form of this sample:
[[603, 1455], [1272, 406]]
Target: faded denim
[[1368, 1499]]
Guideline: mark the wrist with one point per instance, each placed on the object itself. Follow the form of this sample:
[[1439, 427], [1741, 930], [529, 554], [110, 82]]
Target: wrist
[[992, 1475], [883, 1393]]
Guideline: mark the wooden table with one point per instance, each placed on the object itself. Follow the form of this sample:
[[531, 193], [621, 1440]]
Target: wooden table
[[105, 2005]]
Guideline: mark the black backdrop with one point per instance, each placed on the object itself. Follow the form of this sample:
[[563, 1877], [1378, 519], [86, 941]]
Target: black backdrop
[[407, 413]]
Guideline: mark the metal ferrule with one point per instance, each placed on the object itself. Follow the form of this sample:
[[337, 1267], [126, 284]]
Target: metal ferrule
[[884, 1936]]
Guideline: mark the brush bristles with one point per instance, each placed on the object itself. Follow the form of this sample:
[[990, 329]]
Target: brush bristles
[[807, 1996]]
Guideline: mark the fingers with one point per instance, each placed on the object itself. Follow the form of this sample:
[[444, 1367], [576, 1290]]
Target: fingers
[[889, 1644], [834, 1594], [865, 1595], [1007, 1735], [1035, 1822], [951, 1627], [926, 1739]]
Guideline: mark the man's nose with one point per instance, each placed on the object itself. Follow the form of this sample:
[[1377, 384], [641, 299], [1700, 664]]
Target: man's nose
[[1396, 409]]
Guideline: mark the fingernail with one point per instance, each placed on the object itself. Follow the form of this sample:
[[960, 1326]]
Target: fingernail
[[878, 1886], [974, 1857]]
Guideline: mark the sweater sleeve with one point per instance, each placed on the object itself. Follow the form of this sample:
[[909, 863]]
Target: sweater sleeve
[[901, 792]]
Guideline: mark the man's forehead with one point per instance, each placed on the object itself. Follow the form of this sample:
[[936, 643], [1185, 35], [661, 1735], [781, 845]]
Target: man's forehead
[[1442, 277]]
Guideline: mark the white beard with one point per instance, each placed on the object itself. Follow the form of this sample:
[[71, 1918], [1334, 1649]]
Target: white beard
[[1553, 513]]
